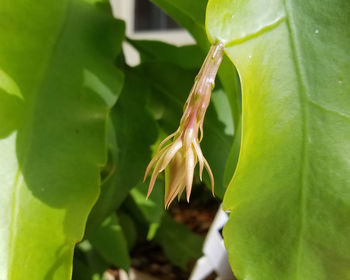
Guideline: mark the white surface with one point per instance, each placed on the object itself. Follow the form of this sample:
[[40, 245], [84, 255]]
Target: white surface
[[202, 269], [215, 255]]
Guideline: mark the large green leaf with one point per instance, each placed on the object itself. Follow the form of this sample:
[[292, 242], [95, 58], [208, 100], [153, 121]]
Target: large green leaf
[[57, 82], [290, 195]]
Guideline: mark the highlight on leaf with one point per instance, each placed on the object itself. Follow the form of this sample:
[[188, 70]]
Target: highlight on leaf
[[180, 157]]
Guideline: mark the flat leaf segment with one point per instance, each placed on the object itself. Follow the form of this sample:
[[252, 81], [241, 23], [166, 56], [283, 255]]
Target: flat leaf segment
[[57, 82], [290, 195]]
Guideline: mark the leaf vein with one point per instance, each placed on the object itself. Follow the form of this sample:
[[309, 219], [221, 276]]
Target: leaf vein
[[302, 93], [253, 35], [328, 110]]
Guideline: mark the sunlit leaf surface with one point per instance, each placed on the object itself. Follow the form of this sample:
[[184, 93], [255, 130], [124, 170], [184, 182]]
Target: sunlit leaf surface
[[290, 195]]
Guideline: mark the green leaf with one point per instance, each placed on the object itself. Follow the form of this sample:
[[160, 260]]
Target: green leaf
[[129, 228], [290, 195], [152, 208], [135, 132], [110, 243], [233, 156], [57, 83], [88, 264], [180, 245]]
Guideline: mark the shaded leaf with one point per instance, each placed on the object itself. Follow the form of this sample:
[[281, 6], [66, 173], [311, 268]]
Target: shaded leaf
[[180, 245], [88, 264], [109, 241], [135, 132], [128, 227], [152, 208], [188, 57]]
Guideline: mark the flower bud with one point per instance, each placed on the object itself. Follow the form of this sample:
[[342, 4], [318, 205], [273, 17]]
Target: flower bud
[[180, 157]]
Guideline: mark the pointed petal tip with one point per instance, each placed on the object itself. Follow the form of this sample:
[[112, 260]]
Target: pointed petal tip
[[189, 174], [150, 165], [178, 197], [147, 171], [188, 193], [210, 175], [151, 184], [168, 202], [165, 140], [200, 171], [188, 197], [200, 158]]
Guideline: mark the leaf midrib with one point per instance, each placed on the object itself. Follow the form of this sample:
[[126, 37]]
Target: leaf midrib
[[302, 94]]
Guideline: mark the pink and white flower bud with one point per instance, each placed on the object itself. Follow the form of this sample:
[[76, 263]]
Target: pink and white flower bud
[[180, 157]]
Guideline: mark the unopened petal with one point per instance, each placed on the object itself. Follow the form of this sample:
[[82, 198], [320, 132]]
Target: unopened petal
[[166, 139], [150, 165], [175, 178], [180, 192], [200, 157], [189, 172], [172, 196], [152, 182], [158, 155], [168, 155], [210, 175], [164, 157], [188, 137]]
